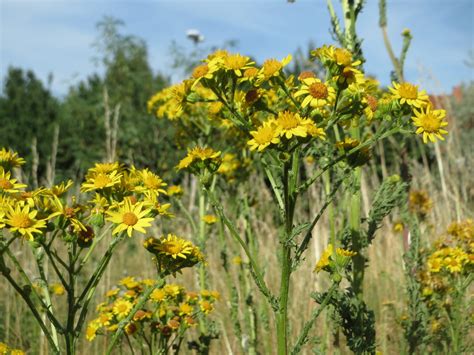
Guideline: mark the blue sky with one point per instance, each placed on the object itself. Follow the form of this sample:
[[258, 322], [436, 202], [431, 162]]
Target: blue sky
[[56, 35]]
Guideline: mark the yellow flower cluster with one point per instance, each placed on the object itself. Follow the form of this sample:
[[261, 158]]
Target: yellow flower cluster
[[173, 253], [169, 310], [331, 260], [6, 350], [200, 158], [128, 197]]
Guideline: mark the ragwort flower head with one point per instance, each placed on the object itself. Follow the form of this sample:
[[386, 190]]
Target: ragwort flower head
[[272, 68], [264, 136], [316, 93], [23, 220], [430, 123], [101, 181], [199, 158], [7, 184], [290, 124], [10, 159], [236, 63], [407, 93], [130, 217]]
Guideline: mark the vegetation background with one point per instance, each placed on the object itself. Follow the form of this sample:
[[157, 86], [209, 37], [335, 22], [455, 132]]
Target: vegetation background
[[105, 117]]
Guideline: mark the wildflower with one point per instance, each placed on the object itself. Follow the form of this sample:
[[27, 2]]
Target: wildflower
[[290, 124], [316, 93], [250, 74], [209, 219], [272, 68], [158, 295], [204, 71], [122, 308], [197, 155], [130, 217], [62, 188], [430, 123], [57, 289], [104, 168], [112, 293], [174, 190], [172, 290], [324, 259], [409, 94], [185, 309], [174, 247], [265, 135], [236, 63], [101, 181], [10, 159], [129, 282], [7, 184], [434, 265], [20, 219], [151, 182], [92, 329], [206, 306]]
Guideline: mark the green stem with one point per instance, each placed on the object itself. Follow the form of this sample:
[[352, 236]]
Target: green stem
[[303, 338], [141, 301], [255, 270], [24, 293]]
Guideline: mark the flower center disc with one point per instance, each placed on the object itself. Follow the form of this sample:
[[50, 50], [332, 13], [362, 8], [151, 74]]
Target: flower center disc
[[21, 220], [430, 123], [5, 184], [408, 91], [129, 218], [200, 71], [318, 91]]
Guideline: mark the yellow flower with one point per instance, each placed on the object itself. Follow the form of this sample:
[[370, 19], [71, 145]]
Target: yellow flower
[[209, 219], [172, 290], [314, 131], [158, 295], [316, 93], [204, 71], [7, 184], [185, 309], [22, 220], [174, 190], [101, 181], [122, 308], [324, 259], [409, 94], [272, 68], [198, 154], [151, 182], [250, 75], [112, 293], [57, 289], [434, 265], [92, 329], [265, 135], [175, 247], [206, 306], [290, 124], [104, 168], [129, 282], [430, 123], [10, 159], [345, 252], [236, 63], [130, 217]]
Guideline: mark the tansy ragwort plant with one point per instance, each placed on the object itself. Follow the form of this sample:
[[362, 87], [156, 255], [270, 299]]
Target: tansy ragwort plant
[[336, 120], [63, 231], [160, 323]]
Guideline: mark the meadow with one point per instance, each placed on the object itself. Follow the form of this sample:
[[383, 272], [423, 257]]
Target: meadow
[[284, 207]]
